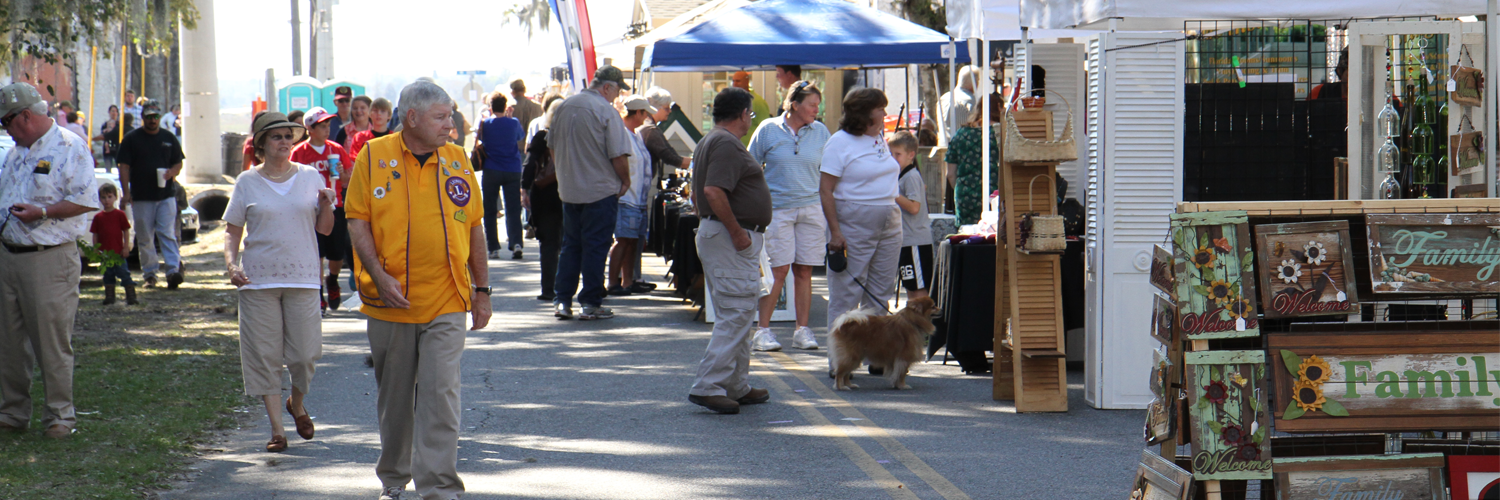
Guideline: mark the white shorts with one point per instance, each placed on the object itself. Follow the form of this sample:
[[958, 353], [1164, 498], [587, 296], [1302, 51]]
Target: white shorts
[[797, 235]]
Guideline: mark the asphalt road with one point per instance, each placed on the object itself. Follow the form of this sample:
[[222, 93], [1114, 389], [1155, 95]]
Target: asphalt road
[[599, 410]]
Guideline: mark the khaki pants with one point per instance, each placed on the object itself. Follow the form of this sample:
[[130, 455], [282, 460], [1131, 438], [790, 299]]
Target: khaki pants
[[279, 327], [38, 301], [412, 359], [872, 235], [733, 279]]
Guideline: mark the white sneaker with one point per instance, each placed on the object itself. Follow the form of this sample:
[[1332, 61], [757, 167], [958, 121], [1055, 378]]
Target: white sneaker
[[802, 338], [765, 340], [392, 493], [494, 255]]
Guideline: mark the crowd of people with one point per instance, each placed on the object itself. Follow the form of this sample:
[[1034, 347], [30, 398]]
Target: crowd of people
[[369, 182]]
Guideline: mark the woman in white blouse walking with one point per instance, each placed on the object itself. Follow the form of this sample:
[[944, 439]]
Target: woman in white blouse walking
[[275, 208], [859, 184]]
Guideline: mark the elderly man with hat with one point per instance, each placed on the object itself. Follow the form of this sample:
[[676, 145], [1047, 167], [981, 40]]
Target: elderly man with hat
[[149, 159], [590, 145], [332, 163], [46, 185], [630, 223], [416, 224], [759, 111], [275, 209]]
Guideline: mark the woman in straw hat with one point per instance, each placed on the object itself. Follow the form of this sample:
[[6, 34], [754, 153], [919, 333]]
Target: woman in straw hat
[[274, 210]]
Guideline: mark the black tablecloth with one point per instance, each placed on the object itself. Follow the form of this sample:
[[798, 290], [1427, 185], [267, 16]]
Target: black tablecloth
[[968, 320], [684, 250]]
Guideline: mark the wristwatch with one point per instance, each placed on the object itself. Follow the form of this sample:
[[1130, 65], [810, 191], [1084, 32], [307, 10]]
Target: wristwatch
[[484, 289]]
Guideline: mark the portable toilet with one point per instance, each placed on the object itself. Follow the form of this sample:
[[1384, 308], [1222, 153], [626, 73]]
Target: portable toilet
[[327, 89], [298, 93]]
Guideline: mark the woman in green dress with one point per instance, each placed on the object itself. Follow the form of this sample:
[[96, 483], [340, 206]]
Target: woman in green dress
[[963, 160]]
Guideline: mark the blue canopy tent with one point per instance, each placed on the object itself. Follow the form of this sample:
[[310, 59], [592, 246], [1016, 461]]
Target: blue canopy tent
[[817, 34]]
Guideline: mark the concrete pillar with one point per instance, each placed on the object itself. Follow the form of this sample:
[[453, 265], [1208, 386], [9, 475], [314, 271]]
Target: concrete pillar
[[200, 101]]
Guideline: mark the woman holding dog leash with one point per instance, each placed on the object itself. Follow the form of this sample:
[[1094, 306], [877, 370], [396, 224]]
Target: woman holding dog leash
[[859, 185]]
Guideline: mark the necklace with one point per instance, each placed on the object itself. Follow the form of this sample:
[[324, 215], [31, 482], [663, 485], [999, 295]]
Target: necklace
[[275, 178]]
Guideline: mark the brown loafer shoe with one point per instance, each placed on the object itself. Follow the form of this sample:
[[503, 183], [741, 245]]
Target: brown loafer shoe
[[277, 444], [304, 422], [719, 404], [59, 431], [754, 397]]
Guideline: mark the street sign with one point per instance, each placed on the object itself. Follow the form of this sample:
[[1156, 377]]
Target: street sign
[[478, 72], [473, 91]]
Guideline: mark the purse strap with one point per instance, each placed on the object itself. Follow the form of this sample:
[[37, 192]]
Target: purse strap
[[1030, 189], [1067, 133]]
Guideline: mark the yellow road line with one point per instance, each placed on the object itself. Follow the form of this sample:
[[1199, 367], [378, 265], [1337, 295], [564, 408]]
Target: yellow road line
[[944, 487], [846, 444]]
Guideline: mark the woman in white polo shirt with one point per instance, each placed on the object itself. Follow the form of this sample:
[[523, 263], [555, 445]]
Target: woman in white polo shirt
[[860, 181]]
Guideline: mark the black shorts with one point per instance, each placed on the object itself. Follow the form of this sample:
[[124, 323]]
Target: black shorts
[[336, 245], [915, 267]]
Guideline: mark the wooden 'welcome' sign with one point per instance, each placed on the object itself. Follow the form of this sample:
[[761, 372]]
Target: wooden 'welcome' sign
[[1441, 253], [1341, 381]]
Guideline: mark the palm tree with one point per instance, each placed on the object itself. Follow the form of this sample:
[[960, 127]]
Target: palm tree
[[531, 15]]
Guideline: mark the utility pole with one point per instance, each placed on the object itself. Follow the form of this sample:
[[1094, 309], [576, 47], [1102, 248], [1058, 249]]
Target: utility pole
[[201, 144], [312, 38], [296, 41]]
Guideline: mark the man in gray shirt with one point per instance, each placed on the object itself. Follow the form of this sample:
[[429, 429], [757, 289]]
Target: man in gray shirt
[[589, 144]]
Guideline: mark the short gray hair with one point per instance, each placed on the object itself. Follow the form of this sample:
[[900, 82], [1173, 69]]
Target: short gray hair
[[659, 98], [599, 84], [41, 109], [421, 96]]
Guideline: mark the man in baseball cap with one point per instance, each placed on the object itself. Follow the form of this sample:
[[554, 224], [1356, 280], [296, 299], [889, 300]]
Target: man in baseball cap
[[609, 73], [343, 97], [330, 159], [46, 185]]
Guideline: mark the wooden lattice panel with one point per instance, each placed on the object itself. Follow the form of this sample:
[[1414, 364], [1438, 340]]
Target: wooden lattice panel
[[1033, 297]]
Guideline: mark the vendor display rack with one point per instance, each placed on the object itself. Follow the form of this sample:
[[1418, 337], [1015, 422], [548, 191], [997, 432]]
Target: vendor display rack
[[1377, 375]]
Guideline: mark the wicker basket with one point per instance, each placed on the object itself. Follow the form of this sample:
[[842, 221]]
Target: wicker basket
[[1041, 233], [1019, 148]]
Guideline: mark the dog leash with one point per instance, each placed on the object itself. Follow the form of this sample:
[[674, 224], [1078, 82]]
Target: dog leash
[[871, 295]]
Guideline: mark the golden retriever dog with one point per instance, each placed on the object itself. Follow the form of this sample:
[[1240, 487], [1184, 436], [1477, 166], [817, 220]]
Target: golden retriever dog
[[891, 342]]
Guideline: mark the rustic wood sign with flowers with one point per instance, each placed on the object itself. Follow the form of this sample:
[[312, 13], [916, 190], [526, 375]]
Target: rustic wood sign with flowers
[[1343, 381], [1230, 422], [1441, 253], [1306, 269], [1162, 411], [1215, 275]]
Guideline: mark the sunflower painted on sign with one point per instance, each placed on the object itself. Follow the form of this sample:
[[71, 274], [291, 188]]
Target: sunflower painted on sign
[[1220, 292], [1314, 369], [1307, 391], [1204, 258], [1308, 395]]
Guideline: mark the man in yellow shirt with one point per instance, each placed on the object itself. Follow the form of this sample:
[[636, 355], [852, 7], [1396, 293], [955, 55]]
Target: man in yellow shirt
[[413, 209], [759, 111]]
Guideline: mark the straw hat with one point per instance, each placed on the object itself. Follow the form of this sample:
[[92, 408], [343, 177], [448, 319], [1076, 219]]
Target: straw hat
[[272, 120]]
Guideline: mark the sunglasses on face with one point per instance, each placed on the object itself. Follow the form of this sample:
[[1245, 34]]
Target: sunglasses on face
[[280, 137], [6, 121]]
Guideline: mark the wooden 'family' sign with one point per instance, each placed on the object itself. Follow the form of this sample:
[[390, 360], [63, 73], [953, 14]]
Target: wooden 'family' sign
[[1442, 253], [1341, 381], [1405, 477], [1306, 269], [1215, 275], [1230, 421]]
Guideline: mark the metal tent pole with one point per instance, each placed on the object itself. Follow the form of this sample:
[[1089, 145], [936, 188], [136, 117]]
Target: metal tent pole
[[1492, 61]]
